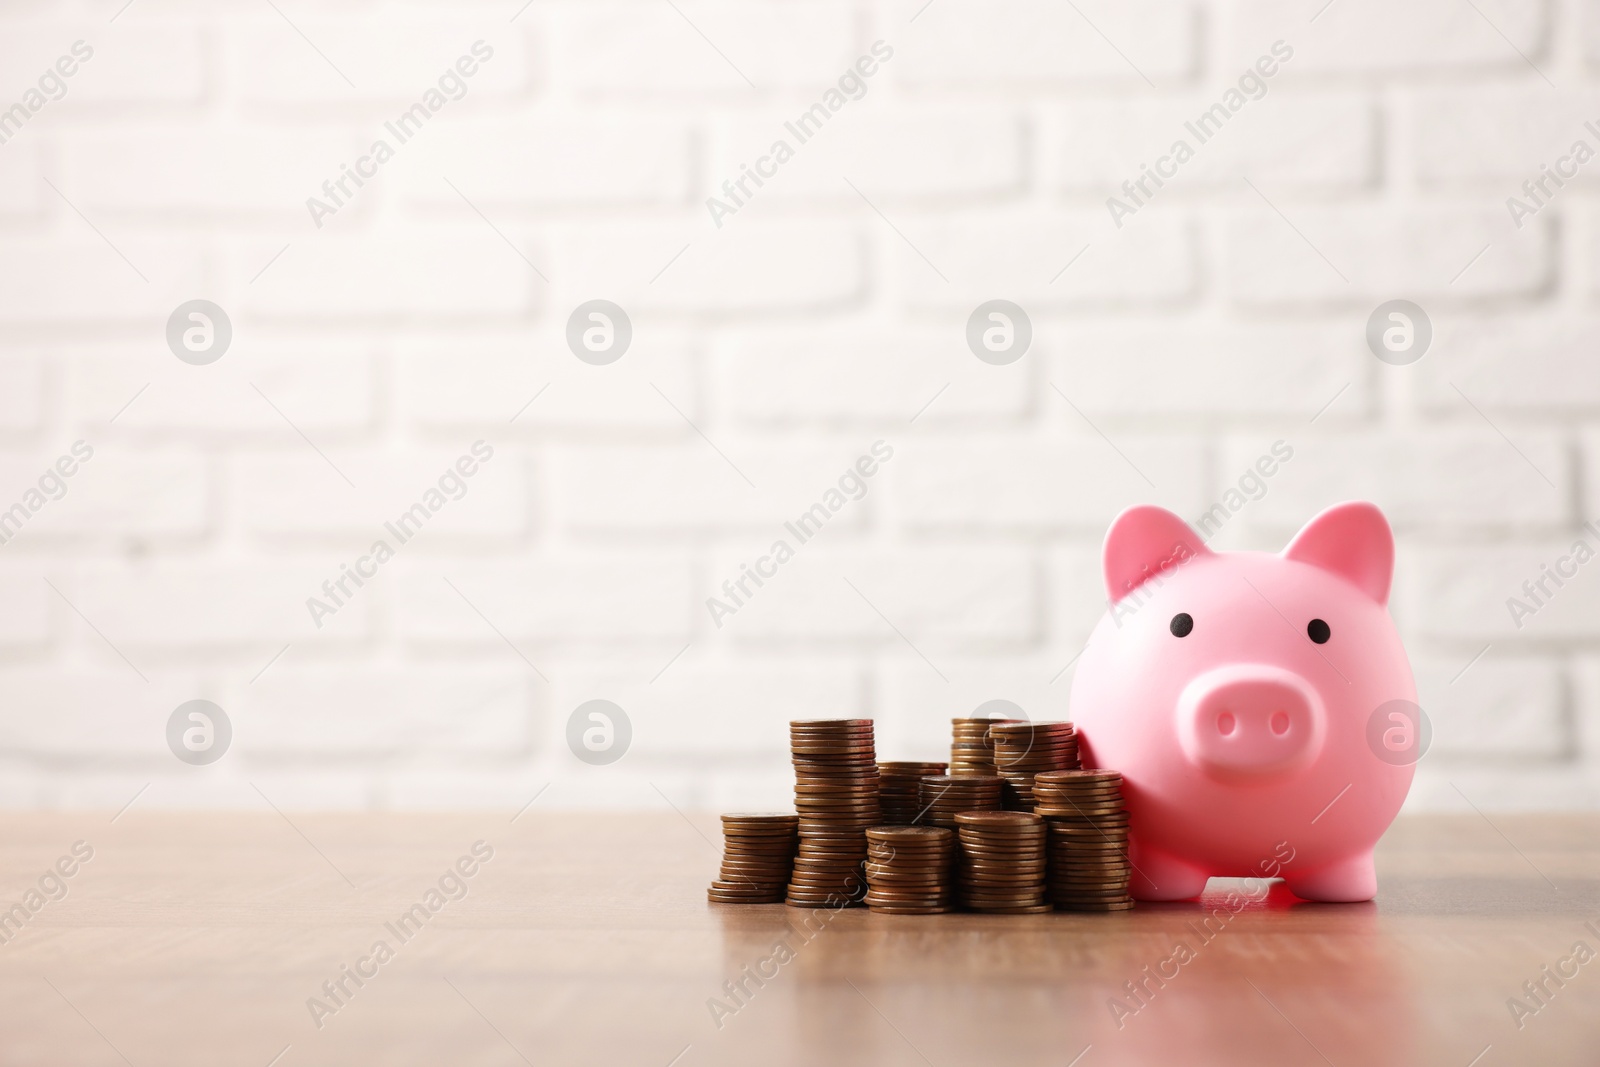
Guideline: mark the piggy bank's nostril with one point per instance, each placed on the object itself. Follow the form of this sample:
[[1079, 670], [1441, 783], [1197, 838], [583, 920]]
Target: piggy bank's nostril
[[1225, 723], [1280, 722]]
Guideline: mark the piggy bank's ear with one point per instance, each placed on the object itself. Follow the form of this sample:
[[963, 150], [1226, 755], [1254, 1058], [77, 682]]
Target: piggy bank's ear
[[1144, 541], [1351, 540]]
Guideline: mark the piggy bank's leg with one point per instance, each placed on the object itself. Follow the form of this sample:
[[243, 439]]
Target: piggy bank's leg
[[1161, 876], [1347, 880]]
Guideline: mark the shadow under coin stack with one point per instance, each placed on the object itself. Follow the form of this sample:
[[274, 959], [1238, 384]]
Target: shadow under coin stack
[[836, 795], [757, 857], [1002, 862], [909, 870], [1088, 839], [900, 790], [946, 795], [1024, 749], [971, 750]]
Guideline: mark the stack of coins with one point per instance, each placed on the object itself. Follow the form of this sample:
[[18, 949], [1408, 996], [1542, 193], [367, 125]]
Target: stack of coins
[[836, 794], [946, 795], [971, 751], [900, 788], [1023, 749], [757, 857], [1089, 867], [1002, 863], [909, 870]]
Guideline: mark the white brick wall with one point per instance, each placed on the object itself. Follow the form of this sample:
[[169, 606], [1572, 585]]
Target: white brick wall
[[828, 312]]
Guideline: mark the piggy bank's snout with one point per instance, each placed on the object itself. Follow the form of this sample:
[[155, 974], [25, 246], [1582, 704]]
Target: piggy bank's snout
[[1250, 721]]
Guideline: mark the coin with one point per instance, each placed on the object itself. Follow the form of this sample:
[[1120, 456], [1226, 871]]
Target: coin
[[909, 868], [1089, 827]]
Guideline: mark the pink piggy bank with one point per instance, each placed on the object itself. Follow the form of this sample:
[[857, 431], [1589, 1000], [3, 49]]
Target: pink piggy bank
[[1234, 690]]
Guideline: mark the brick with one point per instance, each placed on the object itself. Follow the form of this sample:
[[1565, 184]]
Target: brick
[[88, 712], [689, 487], [915, 721], [849, 373], [184, 169], [611, 48], [1209, 372], [1525, 364], [907, 153], [22, 384], [321, 386], [1019, 484], [1442, 479], [1371, 36], [1586, 709], [1499, 137], [443, 383], [1031, 43], [139, 60], [457, 273], [293, 495], [159, 492], [356, 711], [1025, 257], [592, 158], [748, 266], [1420, 252], [1499, 708], [1589, 491], [1307, 142], [1078, 599], [704, 712], [22, 192], [209, 605], [80, 277], [29, 603], [1464, 593], [556, 597], [939, 599], [394, 59]]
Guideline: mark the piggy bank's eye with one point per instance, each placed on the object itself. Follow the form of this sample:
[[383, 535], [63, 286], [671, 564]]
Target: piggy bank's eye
[[1181, 624], [1318, 631]]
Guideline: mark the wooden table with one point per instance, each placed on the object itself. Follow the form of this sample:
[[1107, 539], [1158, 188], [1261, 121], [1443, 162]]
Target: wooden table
[[586, 939]]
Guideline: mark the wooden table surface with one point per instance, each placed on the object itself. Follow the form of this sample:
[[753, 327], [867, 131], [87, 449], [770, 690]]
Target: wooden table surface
[[587, 939]]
